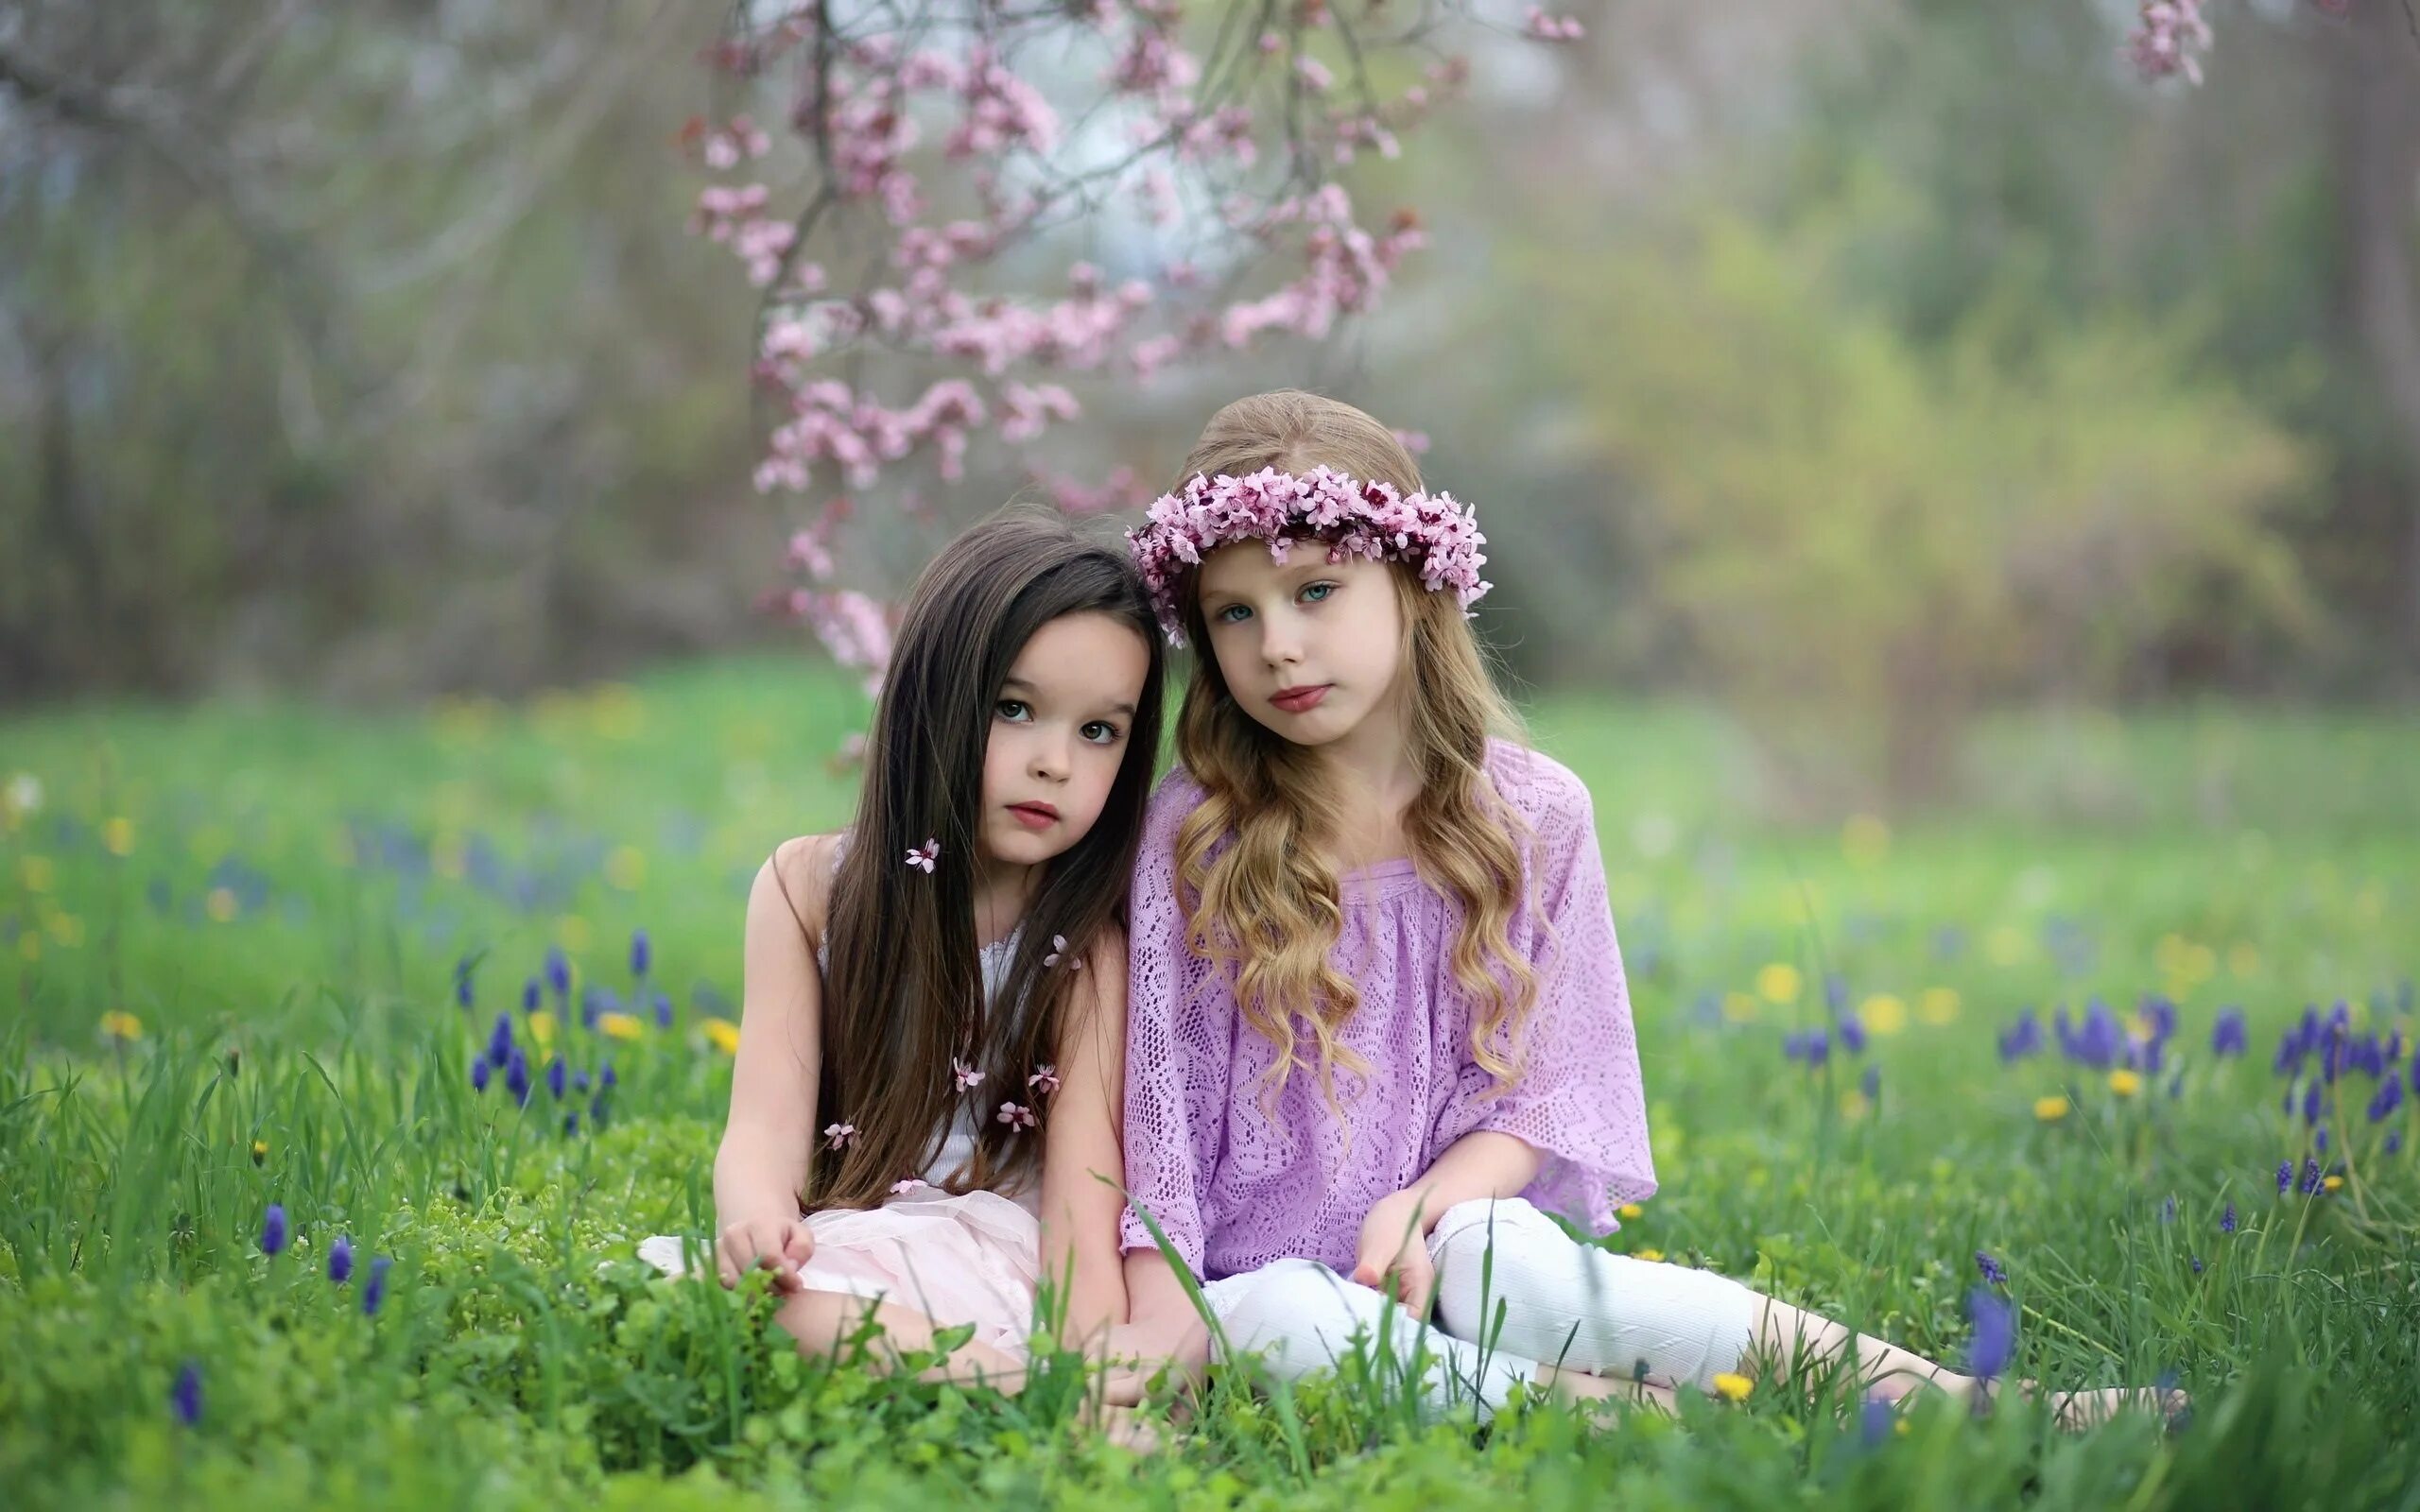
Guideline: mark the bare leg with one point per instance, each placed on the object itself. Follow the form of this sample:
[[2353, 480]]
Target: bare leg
[[1579, 1387], [1790, 1341], [820, 1320]]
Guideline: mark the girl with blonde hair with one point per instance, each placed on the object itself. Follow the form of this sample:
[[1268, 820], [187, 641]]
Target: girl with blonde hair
[[1377, 1026]]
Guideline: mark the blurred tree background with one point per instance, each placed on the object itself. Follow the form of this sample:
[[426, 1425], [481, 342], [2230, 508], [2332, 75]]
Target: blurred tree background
[[1863, 366]]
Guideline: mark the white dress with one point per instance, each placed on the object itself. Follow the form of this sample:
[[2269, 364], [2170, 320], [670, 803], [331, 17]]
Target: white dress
[[974, 1258]]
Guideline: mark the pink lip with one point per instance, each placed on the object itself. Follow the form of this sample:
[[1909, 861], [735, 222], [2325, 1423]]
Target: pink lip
[[1295, 701], [1034, 815]]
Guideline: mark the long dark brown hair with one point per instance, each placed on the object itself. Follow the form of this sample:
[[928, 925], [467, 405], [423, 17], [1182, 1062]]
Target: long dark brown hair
[[903, 990]]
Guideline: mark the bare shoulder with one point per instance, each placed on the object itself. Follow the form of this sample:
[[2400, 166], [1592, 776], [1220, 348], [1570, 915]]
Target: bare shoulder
[[799, 875]]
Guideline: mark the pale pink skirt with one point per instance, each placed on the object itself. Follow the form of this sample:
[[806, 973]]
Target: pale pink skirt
[[976, 1258]]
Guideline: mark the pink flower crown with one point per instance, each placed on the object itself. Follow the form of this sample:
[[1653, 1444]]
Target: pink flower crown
[[1431, 531]]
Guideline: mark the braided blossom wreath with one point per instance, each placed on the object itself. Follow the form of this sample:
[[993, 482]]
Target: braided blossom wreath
[[1430, 531]]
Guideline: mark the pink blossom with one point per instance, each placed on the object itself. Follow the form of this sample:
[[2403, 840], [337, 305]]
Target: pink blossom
[[1016, 1116], [2169, 38], [1553, 28], [966, 1076], [835, 1136], [1044, 1080], [901, 1188], [924, 856]]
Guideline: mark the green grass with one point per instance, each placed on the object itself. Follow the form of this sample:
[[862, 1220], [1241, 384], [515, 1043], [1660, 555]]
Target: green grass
[[296, 889]]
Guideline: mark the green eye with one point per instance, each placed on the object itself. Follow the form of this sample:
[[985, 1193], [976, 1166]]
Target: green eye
[[1317, 592]]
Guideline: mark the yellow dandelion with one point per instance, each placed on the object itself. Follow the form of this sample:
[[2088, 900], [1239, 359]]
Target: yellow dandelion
[[66, 930], [1882, 1014], [2125, 1083], [626, 868], [36, 872], [1938, 1005], [541, 1027], [260, 1152], [1628, 1211], [620, 1026], [1865, 839], [117, 835], [2333, 1183], [2051, 1108], [1741, 1007], [1647, 1254], [1779, 982], [221, 905], [1732, 1387], [120, 1024], [724, 1035]]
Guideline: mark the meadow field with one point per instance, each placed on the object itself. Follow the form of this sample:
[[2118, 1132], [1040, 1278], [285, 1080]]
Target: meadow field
[[346, 1058]]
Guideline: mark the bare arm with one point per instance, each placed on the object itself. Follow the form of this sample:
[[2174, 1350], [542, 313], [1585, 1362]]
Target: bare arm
[[1081, 1209], [1482, 1163], [761, 1167]]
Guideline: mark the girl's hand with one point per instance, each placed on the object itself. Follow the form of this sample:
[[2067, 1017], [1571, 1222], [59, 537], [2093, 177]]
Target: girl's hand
[[778, 1244], [1133, 1353], [1394, 1252]]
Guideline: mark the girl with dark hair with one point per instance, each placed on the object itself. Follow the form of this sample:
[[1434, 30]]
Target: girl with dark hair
[[931, 1040]]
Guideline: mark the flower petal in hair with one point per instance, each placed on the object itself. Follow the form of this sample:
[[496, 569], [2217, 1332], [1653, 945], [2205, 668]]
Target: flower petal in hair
[[838, 1135], [901, 1188], [1044, 1080], [924, 856], [967, 1076], [1016, 1116]]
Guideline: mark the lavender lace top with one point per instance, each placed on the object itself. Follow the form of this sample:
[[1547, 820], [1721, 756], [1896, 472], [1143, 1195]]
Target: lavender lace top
[[1234, 1188]]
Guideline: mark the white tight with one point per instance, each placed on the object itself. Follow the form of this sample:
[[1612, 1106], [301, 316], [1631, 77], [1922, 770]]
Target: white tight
[[1543, 1297]]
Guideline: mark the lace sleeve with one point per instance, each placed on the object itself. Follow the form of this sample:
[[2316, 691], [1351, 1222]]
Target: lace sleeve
[[1177, 1046], [1579, 1098]]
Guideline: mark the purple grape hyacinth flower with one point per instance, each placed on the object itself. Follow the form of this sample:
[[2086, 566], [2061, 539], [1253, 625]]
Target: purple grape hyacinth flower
[[2230, 1036], [555, 1073], [273, 1230], [1992, 1271], [185, 1398], [2285, 1177], [1994, 1342], [2226, 1220], [558, 973], [516, 1077], [373, 1291], [340, 1259], [500, 1041], [479, 1075], [642, 954], [1875, 1421]]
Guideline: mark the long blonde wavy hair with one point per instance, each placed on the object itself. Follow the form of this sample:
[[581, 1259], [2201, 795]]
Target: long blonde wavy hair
[[1266, 909]]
